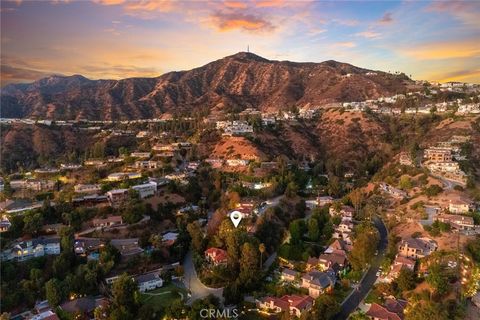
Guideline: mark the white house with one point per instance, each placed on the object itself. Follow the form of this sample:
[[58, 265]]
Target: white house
[[149, 281], [34, 248], [146, 189]]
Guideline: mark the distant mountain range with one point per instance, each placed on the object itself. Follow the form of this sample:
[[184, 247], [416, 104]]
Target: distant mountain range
[[232, 83]]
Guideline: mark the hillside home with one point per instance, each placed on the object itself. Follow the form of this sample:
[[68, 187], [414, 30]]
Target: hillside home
[[398, 264], [4, 223], [394, 192], [295, 305], [127, 247], [146, 164], [335, 261], [216, 256], [33, 248], [324, 201], [459, 206], [392, 309], [149, 281], [117, 197], [457, 221], [146, 190], [346, 212], [121, 176], [140, 155], [318, 282], [288, 275], [436, 154], [107, 222], [416, 248], [87, 188]]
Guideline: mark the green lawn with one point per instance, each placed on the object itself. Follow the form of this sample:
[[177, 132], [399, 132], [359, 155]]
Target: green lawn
[[160, 298]]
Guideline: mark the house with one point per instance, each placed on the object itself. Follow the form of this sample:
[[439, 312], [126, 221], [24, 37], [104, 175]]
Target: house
[[83, 246], [416, 247], [323, 201], [19, 205], [294, 304], [121, 176], [398, 264], [318, 282], [33, 248], [437, 154], [149, 281], [237, 162], [288, 275], [338, 246], [459, 206], [146, 164], [216, 256], [4, 223], [392, 309], [140, 154], [335, 261], [394, 192], [107, 222], [146, 190], [246, 208], [346, 212], [85, 305], [87, 188], [405, 159], [45, 315], [117, 197], [127, 247], [70, 166], [457, 221], [170, 238]]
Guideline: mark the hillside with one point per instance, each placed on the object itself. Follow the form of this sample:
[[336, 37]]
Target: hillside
[[232, 83]]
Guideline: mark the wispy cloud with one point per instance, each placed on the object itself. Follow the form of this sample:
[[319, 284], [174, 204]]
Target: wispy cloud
[[386, 19], [224, 21], [444, 50], [345, 44], [369, 34]]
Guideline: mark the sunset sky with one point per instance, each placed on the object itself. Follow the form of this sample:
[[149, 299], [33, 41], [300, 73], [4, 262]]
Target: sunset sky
[[105, 39]]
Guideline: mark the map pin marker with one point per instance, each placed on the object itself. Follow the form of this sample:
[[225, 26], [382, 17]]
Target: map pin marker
[[236, 217]]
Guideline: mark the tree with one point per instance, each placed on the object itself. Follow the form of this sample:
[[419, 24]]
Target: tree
[[297, 229], [248, 265], [66, 238], [405, 183], [426, 310], [326, 307], [291, 190], [406, 280], [356, 196], [364, 246], [196, 234], [53, 292], [33, 222], [124, 300], [261, 248], [313, 229], [437, 279]]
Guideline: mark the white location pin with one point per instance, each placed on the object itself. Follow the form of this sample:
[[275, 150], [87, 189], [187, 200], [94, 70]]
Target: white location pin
[[236, 217]]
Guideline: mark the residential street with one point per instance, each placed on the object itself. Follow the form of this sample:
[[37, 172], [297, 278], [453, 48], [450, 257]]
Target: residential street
[[350, 304], [193, 283]]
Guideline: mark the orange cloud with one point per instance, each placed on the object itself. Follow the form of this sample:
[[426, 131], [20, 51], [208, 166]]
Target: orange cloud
[[110, 2], [345, 44], [237, 20], [235, 4], [445, 50], [460, 75], [269, 3]]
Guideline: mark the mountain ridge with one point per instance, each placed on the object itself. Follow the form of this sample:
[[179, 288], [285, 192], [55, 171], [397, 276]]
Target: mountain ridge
[[234, 82]]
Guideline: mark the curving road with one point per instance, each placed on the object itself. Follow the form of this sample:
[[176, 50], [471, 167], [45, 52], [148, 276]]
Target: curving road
[[350, 304], [197, 289]]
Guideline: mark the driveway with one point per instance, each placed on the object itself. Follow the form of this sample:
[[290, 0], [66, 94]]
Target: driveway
[[197, 289], [351, 303]]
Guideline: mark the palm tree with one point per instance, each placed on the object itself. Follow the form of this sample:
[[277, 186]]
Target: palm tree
[[261, 248]]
